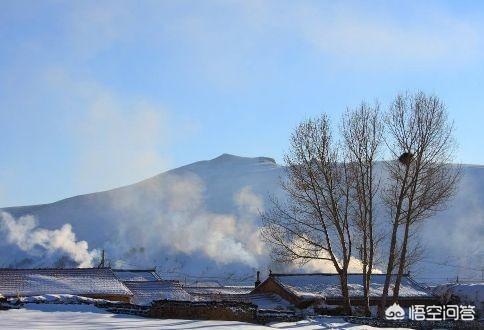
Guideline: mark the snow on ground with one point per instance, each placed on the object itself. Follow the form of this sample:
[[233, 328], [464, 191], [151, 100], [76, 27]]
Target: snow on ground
[[48, 316], [58, 316], [323, 322]]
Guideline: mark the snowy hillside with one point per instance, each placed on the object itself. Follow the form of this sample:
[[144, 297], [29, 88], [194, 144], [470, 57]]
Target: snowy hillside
[[203, 219]]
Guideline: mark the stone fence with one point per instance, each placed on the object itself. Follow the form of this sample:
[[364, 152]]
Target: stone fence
[[204, 310]]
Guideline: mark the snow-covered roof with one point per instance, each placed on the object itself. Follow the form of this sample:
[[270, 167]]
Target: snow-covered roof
[[268, 301], [75, 281], [145, 292], [240, 294], [221, 290], [308, 286], [57, 299], [136, 274]]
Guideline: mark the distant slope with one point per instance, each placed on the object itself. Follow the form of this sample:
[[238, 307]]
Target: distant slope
[[220, 177], [203, 218]]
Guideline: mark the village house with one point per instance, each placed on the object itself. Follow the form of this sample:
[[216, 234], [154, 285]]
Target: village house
[[304, 290], [145, 292], [98, 283], [217, 291], [147, 286], [136, 274], [234, 293]]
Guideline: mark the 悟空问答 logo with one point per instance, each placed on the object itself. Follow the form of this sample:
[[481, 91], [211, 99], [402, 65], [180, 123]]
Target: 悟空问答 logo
[[395, 312]]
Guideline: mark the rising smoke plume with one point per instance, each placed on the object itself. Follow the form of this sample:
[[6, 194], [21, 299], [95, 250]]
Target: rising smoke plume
[[42, 243], [174, 220]]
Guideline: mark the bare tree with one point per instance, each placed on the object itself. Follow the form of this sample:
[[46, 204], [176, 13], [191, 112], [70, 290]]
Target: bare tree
[[421, 179], [362, 132], [313, 222]]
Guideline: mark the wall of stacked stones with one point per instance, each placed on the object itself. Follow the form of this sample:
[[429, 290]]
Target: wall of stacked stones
[[207, 310]]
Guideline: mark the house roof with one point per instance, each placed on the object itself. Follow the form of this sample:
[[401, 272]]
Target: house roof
[[218, 290], [75, 281], [323, 285], [262, 300], [144, 292], [241, 294], [268, 301], [136, 274]]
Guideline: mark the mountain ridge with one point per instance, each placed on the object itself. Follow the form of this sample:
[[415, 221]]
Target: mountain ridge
[[174, 218]]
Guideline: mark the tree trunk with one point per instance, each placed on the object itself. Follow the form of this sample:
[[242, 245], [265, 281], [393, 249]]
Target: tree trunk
[[366, 276], [393, 244], [345, 292], [366, 292], [370, 264], [391, 260], [401, 267], [408, 222]]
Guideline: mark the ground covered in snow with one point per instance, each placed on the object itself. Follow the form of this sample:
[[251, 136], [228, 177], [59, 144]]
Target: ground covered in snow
[[58, 316]]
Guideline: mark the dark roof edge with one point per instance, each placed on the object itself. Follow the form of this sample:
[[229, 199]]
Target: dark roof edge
[[327, 274], [152, 281], [133, 270], [53, 268], [221, 287]]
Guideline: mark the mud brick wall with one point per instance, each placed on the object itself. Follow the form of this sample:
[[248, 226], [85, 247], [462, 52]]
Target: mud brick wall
[[211, 310]]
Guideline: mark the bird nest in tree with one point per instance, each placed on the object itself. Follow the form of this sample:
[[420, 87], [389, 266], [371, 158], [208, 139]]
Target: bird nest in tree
[[406, 158]]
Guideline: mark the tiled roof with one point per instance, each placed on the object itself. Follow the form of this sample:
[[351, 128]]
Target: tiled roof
[[308, 286], [136, 274], [268, 301], [147, 291], [211, 290], [76, 281], [262, 300], [240, 294]]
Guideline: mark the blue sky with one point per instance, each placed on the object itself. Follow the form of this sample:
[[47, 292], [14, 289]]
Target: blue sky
[[98, 94]]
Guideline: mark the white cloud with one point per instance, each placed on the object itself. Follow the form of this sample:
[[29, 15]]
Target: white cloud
[[406, 34], [224, 42]]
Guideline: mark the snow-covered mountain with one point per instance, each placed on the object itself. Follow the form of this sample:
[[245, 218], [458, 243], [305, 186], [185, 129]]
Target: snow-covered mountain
[[203, 219]]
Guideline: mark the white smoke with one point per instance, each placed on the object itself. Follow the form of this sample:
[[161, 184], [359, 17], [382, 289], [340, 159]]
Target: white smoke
[[327, 266], [28, 237], [248, 202], [181, 223]]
